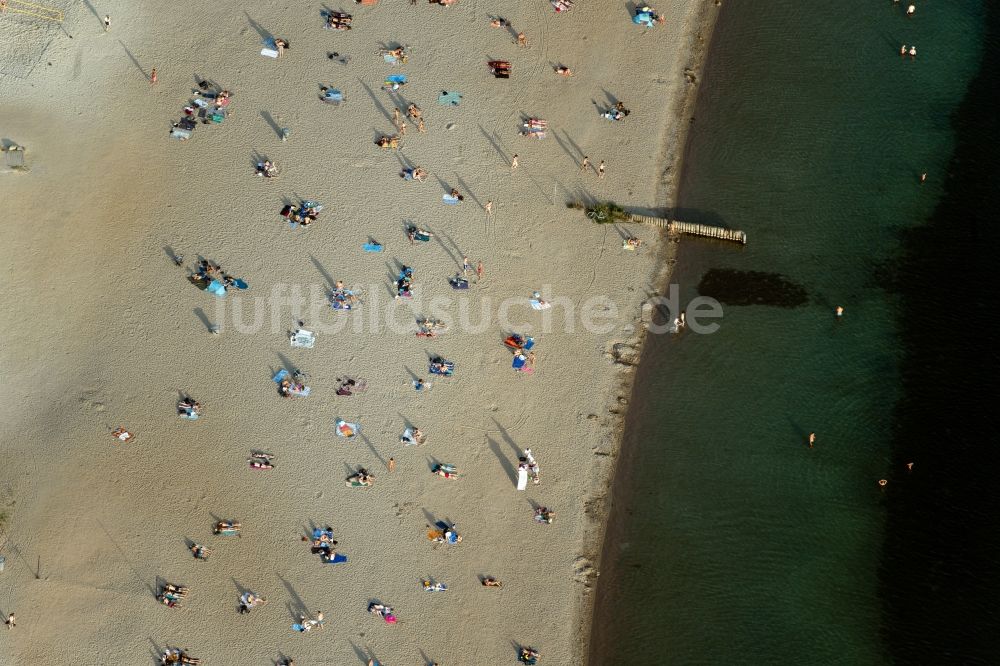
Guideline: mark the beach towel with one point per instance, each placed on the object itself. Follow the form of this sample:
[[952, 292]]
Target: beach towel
[[448, 199], [279, 376], [300, 392], [348, 430], [336, 559], [421, 236], [644, 18], [398, 79], [189, 415], [538, 304], [458, 283], [449, 98], [181, 134], [520, 361], [303, 339], [522, 479], [333, 96], [389, 58], [240, 284], [269, 52], [372, 247], [217, 288]]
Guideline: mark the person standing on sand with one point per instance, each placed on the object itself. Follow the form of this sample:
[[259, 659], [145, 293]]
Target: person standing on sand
[[395, 118], [402, 128], [421, 127], [522, 40], [152, 77], [513, 163], [479, 271], [585, 164], [489, 208], [11, 621], [466, 266], [391, 465], [600, 170], [107, 22]]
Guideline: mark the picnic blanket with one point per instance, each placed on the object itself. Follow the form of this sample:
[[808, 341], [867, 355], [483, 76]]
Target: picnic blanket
[[449, 98]]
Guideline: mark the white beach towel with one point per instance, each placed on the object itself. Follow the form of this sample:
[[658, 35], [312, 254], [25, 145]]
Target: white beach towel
[[522, 479]]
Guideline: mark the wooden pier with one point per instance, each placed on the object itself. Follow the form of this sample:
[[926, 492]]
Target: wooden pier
[[703, 230]]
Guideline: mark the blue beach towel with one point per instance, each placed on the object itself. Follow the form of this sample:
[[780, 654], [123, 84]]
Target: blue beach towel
[[217, 288], [396, 78], [282, 374], [372, 247], [448, 199], [337, 559], [449, 98]]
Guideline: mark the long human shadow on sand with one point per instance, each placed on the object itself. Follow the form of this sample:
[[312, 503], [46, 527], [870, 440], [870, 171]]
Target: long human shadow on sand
[[504, 460], [265, 35], [134, 60]]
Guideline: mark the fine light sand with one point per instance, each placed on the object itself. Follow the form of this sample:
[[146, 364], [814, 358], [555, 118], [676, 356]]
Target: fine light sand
[[101, 329]]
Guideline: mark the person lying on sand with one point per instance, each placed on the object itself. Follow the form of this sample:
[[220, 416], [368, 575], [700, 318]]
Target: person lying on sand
[[199, 552], [490, 581], [543, 515], [528, 655], [361, 478], [413, 111], [226, 526]]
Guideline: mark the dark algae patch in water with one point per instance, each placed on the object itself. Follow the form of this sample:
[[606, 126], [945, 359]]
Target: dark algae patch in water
[[938, 575], [732, 287]]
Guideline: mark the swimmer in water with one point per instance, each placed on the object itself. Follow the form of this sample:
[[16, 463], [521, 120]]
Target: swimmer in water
[[882, 482], [812, 439], [909, 467], [840, 311]]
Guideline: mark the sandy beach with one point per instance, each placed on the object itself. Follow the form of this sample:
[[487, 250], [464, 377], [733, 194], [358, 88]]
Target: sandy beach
[[103, 330]]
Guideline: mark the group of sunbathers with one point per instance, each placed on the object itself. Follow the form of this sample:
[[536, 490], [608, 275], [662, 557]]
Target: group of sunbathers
[[171, 595], [527, 655], [383, 611], [227, 528], [527, 463], [412, 436], [441, 366], [292, 386], [342, 298], [418, 174], [500, 69], [350, 385], [360, 479], [207, 272], [267, 169], [446, 470], [177, 656], [404, 282], [543, 515], [260, 460], [323, 544], [189, 408], [444, 533], [535, 128], [305, 213], [428, 328], [617, 113], [249, 601], [338, 21]]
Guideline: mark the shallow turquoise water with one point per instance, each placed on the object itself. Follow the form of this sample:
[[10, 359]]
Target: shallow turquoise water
[[734, 542]]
